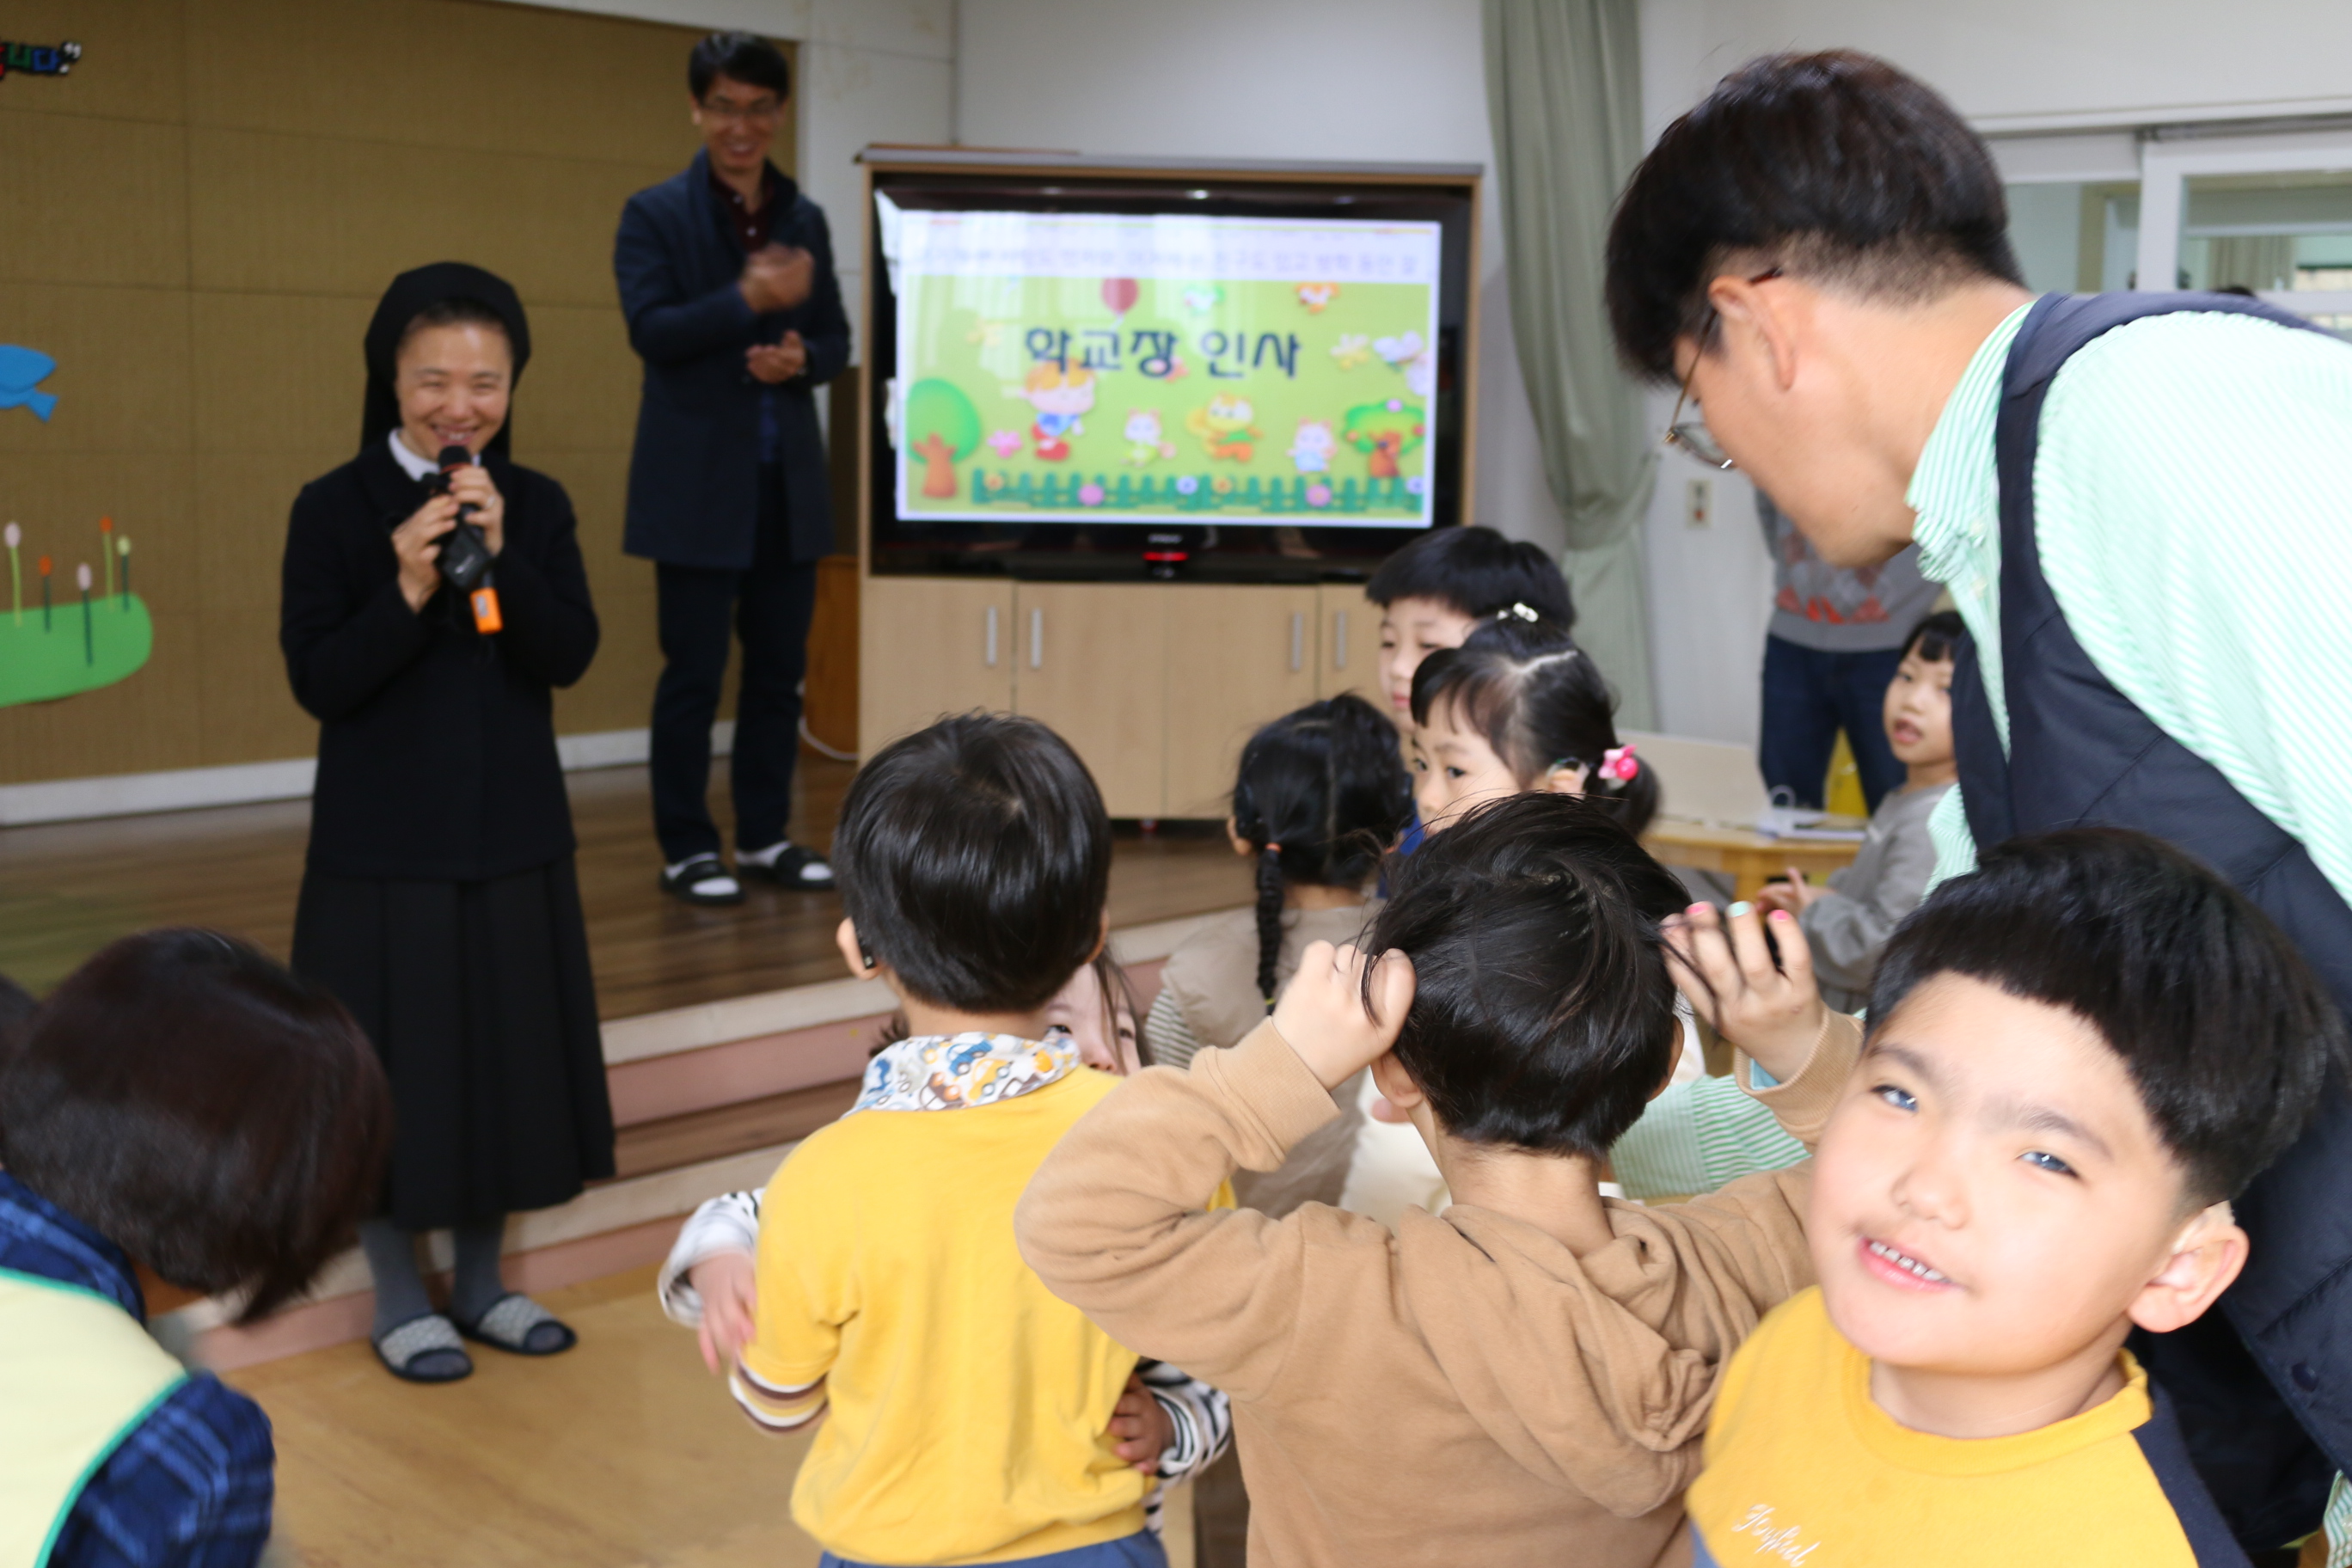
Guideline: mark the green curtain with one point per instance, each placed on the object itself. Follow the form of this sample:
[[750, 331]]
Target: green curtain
[[1564, 97]]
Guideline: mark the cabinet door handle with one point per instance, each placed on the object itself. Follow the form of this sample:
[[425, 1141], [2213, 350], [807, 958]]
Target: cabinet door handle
[[1339, 639], [992, 636], [1037, 639], [1297, 642]]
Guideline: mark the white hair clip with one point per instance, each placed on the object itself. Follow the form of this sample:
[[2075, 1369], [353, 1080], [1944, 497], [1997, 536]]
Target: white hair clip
[[1520, 610]]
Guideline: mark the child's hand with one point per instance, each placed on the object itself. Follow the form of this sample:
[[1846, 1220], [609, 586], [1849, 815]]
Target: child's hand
[[1139, 1429], [724, 1281], [1796, 895], [1774, 1013], [1321, 1012]]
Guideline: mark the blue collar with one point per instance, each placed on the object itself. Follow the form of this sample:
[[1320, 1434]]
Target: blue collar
[[39, 1237]]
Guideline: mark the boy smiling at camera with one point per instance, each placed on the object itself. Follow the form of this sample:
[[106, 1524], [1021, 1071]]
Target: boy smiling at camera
[[2076, 1057]]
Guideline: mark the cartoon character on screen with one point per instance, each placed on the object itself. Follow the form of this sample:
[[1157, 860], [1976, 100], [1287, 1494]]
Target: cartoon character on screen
[[1146, 442], [1408, 354], [1312, 448], [1316, 296], [1060, 393], [1224, 425]]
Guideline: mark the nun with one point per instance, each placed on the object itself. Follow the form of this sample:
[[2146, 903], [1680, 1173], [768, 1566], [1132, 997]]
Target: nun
[[439, 900]]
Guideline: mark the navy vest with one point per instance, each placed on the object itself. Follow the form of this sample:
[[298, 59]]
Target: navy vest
[[2082, 753]]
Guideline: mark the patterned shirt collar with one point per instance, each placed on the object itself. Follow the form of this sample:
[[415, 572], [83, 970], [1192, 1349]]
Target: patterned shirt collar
[[1955, 489], [957, 1072], [39, 1237]]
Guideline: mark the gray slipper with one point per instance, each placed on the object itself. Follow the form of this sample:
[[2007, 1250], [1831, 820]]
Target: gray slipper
[[423, 1349], [516, 1323]]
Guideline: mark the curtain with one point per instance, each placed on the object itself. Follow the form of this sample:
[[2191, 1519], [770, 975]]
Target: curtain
[[1564, 100], [2253, 261]]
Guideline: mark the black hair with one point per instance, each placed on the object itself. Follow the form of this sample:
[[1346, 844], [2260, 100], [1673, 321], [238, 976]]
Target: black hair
[[975, 860], [452, 312], [1119, 991], [1835, 167], [1475, 571], [1320, 796], [2224, 1030], [746, 57], [16, 1009], [1936, 639], [1543, 1014], [1536, 698], [220, 1120]]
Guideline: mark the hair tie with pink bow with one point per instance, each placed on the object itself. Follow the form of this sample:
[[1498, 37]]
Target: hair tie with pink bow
[[1619, 763]]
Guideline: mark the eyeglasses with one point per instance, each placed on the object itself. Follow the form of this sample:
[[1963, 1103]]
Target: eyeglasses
[[1693, 436], [767, 111]]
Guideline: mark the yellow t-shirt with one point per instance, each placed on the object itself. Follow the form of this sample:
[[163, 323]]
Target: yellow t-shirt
[[966, 1403], [1804, 1471]]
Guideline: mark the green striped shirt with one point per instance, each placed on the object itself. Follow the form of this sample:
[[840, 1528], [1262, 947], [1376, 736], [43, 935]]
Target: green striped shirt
[[2192, 498]]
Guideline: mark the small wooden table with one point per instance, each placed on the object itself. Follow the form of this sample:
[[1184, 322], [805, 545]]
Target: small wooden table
[[1750, 858]]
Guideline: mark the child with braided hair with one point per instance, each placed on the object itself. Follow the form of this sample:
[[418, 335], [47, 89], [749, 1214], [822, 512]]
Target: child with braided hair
[[1320, 797]]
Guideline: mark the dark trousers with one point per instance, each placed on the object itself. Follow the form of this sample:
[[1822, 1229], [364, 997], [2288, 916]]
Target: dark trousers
[[771, 605], [1810, 696]]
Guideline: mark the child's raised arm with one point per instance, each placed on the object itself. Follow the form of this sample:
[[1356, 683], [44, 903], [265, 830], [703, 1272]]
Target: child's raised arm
[[1113, 1221]]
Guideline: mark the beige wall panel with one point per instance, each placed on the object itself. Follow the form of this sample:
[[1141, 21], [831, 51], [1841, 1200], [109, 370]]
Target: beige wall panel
[[1237, 657], [243, 502], [445, 73], [617, 693], [133, 62], [121, 381], [250, 714], [279, 372], [90, 201], [309, 216], [580, 391], [152, 720]]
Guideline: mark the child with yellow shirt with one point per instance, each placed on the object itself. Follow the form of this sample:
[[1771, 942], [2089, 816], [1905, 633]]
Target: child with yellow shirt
[[966, 1407], [2076, 1055]]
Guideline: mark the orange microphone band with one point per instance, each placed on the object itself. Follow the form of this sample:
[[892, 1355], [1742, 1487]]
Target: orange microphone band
[[486, 610]]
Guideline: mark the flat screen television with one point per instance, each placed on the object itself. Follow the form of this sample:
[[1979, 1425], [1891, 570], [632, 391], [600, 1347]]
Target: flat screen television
[[1090, 369]]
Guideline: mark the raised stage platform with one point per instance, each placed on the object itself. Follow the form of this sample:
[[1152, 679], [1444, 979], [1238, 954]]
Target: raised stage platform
[[728, 1034]]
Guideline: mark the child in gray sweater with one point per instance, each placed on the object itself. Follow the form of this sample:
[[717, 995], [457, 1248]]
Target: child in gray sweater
[[1847, 923]]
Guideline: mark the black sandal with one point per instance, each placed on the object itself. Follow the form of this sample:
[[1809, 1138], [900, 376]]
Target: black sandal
[[513, 1324], [801, 870], [423, 1349], [703, 880]]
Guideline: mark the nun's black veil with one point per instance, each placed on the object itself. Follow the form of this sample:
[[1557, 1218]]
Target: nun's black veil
[[409, 294]]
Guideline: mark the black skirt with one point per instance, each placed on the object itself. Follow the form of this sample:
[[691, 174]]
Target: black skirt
[[479, 1000]]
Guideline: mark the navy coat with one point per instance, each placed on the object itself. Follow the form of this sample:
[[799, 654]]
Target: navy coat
[[694, 475]]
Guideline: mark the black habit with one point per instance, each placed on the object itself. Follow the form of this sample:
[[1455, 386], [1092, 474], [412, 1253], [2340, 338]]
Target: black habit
[[439, 901]]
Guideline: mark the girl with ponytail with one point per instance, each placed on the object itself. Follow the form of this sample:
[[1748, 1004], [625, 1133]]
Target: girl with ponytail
[[1518, 707], [1320, 797]]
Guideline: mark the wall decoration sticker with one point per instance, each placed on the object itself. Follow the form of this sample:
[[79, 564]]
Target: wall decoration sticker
[[22, 370], [46, 658], [38, 59]]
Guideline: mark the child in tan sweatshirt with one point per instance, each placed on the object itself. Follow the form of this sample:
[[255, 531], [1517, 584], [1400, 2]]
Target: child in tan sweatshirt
[[1523, 1379]]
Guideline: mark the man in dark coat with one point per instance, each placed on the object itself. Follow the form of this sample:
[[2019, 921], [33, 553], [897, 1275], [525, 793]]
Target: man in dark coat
[[725, 278]]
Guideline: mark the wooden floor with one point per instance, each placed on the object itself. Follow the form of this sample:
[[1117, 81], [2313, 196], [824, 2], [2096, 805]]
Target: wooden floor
[[622, 1454], [67, 888]]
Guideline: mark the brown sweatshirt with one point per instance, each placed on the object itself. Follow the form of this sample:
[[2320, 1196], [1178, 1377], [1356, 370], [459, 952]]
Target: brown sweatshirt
[[1466, 1390]]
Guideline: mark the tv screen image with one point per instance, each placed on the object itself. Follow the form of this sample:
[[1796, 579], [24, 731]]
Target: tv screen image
[[1161, 368]]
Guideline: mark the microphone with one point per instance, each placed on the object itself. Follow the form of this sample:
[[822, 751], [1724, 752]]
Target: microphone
[[465, 558]]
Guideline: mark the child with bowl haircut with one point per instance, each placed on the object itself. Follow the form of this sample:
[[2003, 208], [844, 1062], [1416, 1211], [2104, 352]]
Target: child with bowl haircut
[[2076, 1055], [1522, 1379], [969, 1410]]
